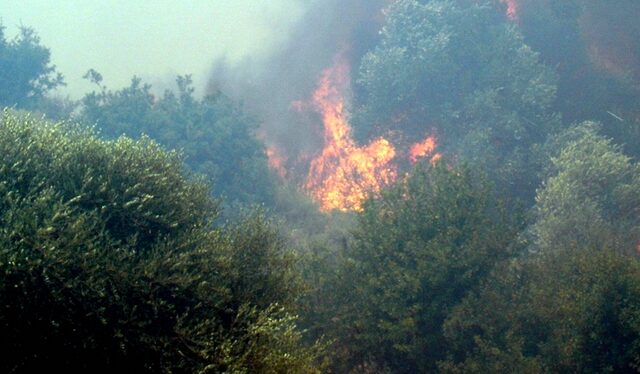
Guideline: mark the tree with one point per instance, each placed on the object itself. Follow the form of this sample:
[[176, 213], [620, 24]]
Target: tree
[[109, 262], [418, 250], [461, 70], [566, 310], [570, 305], [590, 199], [597, 64], [26, 73], [216, 136]]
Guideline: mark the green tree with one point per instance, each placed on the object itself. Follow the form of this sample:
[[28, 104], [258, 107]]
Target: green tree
[[215, 135], [591, 197], [418, 250], [109, 262], [561, 311], [458, 69], [570, 305], [26, 73]]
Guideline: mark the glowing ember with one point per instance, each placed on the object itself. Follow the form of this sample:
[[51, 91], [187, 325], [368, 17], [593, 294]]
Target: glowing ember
[[512, 8], [276, 161], [423, 149], [343, 174]]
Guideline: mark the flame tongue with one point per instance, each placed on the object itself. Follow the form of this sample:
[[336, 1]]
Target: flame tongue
[[276, 161], [512, 9], [342, 175], [423, 149]]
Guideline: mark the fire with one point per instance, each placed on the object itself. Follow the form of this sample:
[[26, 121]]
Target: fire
[[343, 174], [276, 161], [512, 9], [423, 149]]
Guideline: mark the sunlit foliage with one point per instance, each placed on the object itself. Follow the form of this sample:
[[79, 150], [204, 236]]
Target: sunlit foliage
[[109, 262], [592, 196]]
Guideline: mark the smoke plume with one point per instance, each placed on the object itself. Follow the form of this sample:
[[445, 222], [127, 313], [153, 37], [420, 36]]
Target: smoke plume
[[270, 85]]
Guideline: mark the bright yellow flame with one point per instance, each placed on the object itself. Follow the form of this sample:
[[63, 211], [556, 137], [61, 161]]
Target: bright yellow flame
[[343, 174]]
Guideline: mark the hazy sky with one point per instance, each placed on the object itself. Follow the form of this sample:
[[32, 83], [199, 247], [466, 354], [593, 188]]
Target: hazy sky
[[154, 39]]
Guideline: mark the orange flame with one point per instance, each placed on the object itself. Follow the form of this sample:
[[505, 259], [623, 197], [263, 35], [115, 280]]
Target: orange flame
[[512, 9], [276, 161], [343, 174], [423, 149]]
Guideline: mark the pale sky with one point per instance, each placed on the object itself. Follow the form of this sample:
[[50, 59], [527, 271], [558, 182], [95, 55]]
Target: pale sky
[[154, 39]]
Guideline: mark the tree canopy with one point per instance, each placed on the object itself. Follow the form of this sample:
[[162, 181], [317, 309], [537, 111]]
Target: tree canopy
[[110, 263], [591, 198], [566, 310], [418, 250], [515, 250], [459, 70], [215, 135], [26, 72]]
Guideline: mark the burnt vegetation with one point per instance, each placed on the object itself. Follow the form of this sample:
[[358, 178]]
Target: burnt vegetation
[[159, 233]]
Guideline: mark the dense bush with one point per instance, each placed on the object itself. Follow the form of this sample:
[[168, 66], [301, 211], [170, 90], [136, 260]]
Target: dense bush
[[458, 69], [217, 137], [562, 311], [418, 250], [108, 261], [591, 196], [113, 258]]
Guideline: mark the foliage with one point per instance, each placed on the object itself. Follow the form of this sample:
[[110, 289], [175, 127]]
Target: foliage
[[597, 63], [590, 199], [55, 107], [26, 73], [570, 305], [459, 69], [112, 257], [567, 310], [418, 250], [216, 136], [109, 262]]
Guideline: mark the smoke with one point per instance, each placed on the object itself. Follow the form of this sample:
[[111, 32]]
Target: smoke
[[269, 85], [612, 33], [574, 32]]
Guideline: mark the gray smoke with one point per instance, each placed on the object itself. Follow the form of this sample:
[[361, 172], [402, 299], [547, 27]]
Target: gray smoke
[[268, 86]]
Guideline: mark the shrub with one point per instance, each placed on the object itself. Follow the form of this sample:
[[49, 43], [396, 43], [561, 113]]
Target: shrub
[[109, 261]]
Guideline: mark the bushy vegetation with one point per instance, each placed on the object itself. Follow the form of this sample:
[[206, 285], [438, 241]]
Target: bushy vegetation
[[567, 310], [418, 250], [26, 72], [591, 198], [458, 70], [216, 136], [517, 252], [109, 262]]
